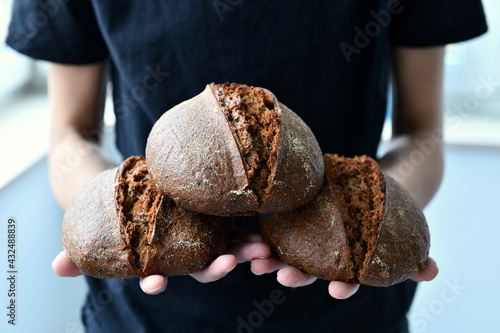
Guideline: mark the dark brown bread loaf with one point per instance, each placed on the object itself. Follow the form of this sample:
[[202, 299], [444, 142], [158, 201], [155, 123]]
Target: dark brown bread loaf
[[119, 226], [235, 150], [362, 227]]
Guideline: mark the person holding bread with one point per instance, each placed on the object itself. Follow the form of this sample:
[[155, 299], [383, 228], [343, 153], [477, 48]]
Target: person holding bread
[[331, 62]]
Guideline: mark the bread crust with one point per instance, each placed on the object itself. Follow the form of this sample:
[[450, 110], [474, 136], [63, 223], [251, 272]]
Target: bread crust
[[308, 238], [301, 237], [179, 241], [195, 159], [91, 231], [185, 242], [298, 173], [403, 241]]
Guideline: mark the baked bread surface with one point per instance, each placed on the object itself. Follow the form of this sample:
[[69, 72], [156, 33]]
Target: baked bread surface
[[353, 230], [204, 153], [118, 226]]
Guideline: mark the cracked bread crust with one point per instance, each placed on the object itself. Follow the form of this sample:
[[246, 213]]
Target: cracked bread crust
[[403, 240], [255, 125], [195, 160], [397, 251], [91, 231], [359, 186], [175, 241], [185, 242], [299, 170], [194, 154], [304, 242], [137, 204]]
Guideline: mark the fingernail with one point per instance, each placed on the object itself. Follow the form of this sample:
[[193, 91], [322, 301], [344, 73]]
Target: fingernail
[[345, 296], [53, 265], [269, 254], [350, 294], [304, 282], [286, 285], [53, 262], [152, 291], [228, 270]]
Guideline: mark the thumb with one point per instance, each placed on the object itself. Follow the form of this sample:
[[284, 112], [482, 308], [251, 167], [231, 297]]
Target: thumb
[[63, 266]]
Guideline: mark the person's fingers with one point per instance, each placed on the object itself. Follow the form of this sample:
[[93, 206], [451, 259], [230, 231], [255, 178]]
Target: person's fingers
[[292, 277], [248, 251], [241, 235], [430, 271], [62, 266], [342, 290], [217, 269], [268, 265], [153, 284]]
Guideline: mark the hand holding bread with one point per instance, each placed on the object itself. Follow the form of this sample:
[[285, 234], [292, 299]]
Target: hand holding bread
[[235, 150]]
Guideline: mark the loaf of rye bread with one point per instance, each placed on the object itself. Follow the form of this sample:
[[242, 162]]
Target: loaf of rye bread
[[119, 226], [362, 227], [235, 150]]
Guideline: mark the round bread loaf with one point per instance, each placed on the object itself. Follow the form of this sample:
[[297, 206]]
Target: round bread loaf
[[119, 226], [362, 227], [235, 150]]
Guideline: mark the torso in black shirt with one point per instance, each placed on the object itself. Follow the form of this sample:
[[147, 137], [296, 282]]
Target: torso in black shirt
[[294, 52]]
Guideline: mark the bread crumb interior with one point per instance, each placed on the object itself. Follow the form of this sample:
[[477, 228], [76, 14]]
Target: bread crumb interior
[[138, 200], [358, 184], [252, 115]]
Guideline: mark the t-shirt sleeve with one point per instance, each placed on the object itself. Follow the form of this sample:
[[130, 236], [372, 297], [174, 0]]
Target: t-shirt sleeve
[[420, 23], [57, 31]]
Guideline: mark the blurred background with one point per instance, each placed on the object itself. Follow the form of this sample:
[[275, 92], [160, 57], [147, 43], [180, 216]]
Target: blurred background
[[464, 218]]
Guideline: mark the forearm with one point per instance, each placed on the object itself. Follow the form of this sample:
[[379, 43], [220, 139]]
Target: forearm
[[416, 156], [76, 96], [416, 162], [72, 161]]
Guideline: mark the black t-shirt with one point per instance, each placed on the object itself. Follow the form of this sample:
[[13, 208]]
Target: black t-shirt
[[329, 61]]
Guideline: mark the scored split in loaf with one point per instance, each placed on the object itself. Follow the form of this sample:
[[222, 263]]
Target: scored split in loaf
[[119, 226], [379, 241], [216, 155]]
